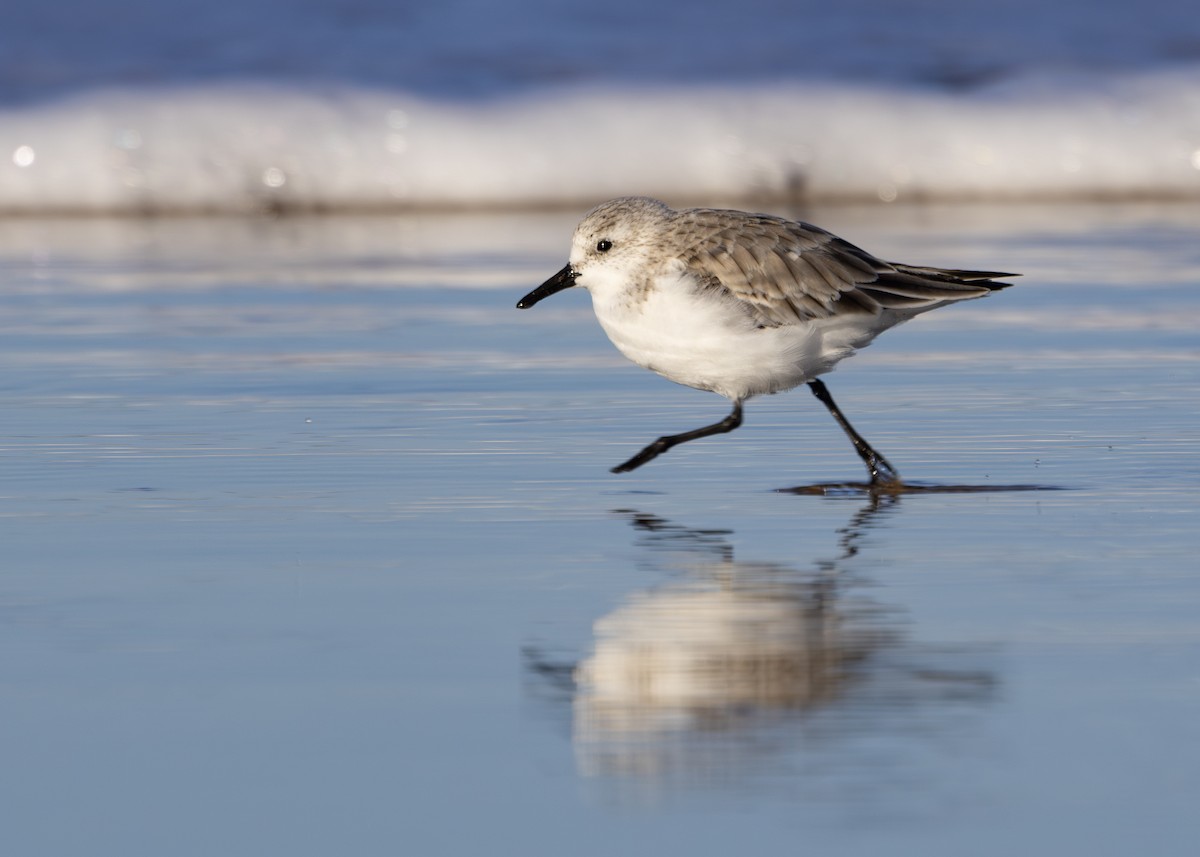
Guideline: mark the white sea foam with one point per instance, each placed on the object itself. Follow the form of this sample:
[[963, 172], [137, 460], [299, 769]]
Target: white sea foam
[[270, 104], [246, 148]]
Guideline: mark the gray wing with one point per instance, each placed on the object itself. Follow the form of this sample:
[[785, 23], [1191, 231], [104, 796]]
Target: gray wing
[[786, 272]]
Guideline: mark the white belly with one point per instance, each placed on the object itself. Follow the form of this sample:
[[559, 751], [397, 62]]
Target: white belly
[[702, 341]]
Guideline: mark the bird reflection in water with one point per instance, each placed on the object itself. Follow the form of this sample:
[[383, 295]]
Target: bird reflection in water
[[731, 665]]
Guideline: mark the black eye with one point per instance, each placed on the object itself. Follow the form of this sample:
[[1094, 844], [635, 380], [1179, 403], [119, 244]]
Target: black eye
[[604, 246]]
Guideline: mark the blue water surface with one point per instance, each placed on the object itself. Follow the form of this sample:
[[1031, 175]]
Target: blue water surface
[[311, 545]]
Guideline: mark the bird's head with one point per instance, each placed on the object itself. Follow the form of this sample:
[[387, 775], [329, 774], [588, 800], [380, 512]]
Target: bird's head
[[613, 246]]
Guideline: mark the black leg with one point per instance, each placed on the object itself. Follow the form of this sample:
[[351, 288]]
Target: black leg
[[664, 443], [882, 473]]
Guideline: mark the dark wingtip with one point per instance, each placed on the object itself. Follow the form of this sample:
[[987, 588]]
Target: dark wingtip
[[994, 280], [952, 278], [974, 276], [991, 279]]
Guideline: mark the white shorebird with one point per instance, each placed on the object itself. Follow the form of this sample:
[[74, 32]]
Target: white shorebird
[[743, 304]]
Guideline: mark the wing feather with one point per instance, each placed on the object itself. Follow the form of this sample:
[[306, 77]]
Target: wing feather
[[785, 272]]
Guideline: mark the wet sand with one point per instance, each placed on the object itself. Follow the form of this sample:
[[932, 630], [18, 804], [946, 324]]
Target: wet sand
[[311, 544]]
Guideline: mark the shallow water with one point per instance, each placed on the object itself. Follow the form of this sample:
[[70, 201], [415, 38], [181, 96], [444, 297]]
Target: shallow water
[[311, 545]]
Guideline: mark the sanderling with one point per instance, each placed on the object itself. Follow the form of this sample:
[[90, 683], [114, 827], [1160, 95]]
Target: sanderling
[[743, 304]]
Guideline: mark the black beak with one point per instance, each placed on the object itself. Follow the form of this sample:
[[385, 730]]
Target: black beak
[[564, 279]]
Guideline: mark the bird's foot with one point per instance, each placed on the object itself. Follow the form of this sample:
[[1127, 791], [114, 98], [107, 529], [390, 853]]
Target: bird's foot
[[651, 452]]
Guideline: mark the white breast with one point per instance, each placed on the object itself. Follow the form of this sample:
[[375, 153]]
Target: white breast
[[702, 340]]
